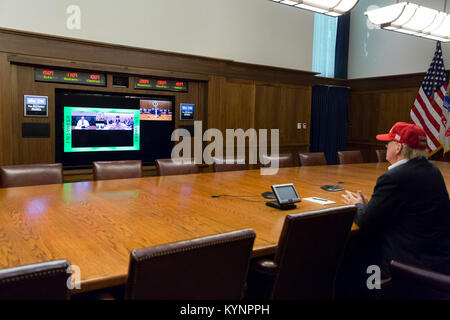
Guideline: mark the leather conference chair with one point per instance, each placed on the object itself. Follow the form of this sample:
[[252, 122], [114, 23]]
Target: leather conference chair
[[108, 170], [381, 155], [413, 283], [208, 268], [285, 160], [30, 175], [347, 157], [228, 164], [170, 167], [39, 281], [308, 256], [312, 159]]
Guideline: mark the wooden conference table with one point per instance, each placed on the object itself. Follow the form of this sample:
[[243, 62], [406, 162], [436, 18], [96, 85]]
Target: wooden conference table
[[96, 224]]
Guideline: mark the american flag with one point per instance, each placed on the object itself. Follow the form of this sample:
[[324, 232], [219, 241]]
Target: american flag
[[445, 129], [427, 111]]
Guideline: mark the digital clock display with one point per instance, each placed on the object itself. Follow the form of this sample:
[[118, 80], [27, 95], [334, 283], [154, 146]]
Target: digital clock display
[[160, 84], [61, 76]]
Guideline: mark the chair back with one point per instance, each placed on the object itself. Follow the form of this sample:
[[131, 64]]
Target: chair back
[[347, 157], [410, 282], [40, 281], [108, 170], [221, 165], [284, 160], [30, 175], [208, 268], [312, 159], [309, 253], [381, 155], [170, 167]]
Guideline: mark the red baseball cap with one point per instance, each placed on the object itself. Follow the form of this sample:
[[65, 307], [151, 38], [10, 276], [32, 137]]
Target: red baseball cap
[[407, 133]]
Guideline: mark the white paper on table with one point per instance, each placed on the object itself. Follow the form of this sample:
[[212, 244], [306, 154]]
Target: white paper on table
[[319, 200]]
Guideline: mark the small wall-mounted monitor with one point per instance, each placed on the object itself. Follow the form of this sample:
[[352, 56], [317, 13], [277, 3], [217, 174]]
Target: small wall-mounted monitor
[[35, 106], [186, 111]]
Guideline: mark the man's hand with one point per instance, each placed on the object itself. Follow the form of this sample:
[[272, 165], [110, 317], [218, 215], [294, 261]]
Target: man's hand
[[364, 199], [354, 198]]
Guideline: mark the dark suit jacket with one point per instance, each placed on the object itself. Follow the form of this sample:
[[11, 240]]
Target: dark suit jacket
[[408, 217]]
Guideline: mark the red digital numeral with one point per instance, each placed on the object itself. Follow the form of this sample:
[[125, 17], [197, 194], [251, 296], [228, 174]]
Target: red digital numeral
[[48, 72], [72, 75], [95, 77], [180, 84], [161, 82], [146, 81]]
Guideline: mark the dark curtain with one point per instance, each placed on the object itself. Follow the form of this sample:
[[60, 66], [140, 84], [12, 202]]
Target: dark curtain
[[329, 120], [342, 36]]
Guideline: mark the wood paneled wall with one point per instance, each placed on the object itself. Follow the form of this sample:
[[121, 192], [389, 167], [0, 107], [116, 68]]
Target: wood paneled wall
[[375, 105], [5, 98], [253, 104], [374, 112], [231, 103], [227, 94], [285, 105], [19, 150]]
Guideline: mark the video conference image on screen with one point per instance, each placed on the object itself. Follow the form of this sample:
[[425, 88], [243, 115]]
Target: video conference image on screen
[[100, 129], [158, 110], [85, 120]]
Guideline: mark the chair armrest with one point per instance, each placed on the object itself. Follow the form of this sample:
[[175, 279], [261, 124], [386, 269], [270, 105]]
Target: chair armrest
[[387, 291], [261, 279], [386, 284], [267, 267]]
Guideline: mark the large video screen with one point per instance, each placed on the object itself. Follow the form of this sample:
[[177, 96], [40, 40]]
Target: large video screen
[[105, 126], [101, 129], [156, 110]]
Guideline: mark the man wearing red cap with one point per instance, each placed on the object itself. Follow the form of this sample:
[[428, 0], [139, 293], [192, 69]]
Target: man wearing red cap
[[408, 216]]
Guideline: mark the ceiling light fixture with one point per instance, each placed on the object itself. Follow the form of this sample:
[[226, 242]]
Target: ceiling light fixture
[[410, 18], [330, 7]]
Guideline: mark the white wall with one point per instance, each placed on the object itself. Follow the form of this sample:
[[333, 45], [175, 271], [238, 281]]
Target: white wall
[[376, 52], [252, 31]]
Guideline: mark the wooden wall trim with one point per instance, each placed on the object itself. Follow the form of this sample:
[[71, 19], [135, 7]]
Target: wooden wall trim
[[41, 49], [6, 141], [293, 145], [80, 65], [395, 82], [54, 47]]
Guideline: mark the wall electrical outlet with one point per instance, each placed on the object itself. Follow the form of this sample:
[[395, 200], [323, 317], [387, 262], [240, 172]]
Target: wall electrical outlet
[[299, 125], [304, 125]]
